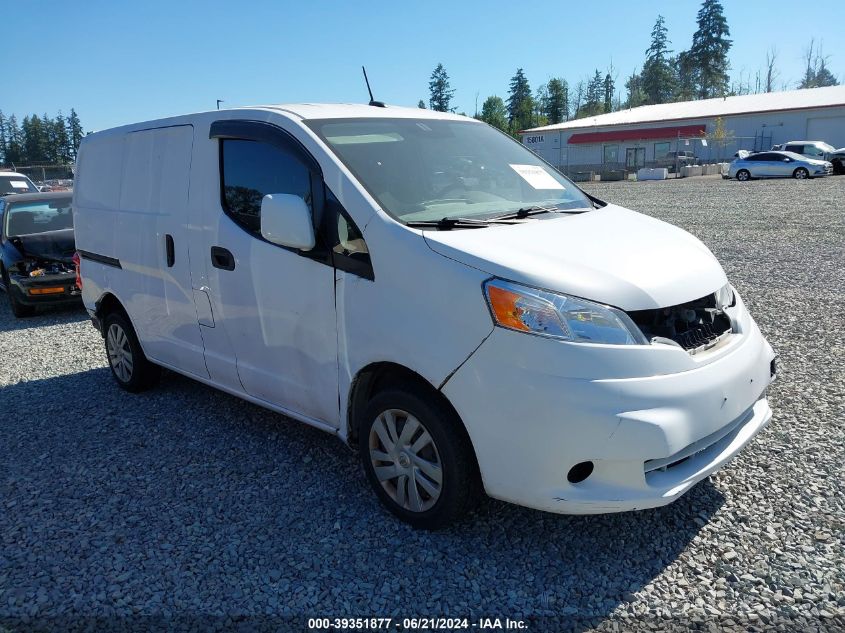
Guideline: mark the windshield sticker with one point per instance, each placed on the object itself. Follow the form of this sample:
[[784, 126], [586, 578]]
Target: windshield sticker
[[19, 184], [537, 177]]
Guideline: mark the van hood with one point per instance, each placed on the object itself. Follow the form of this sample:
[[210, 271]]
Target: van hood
[[611, 255]]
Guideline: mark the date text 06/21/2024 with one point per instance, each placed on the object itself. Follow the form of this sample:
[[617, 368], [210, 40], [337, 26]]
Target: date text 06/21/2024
[[410, 624]]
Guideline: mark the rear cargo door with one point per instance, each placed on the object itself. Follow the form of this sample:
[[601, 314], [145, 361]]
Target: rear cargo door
[[152, 235]]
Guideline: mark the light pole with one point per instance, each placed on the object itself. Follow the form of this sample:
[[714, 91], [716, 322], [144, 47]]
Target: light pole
[[219, 101]]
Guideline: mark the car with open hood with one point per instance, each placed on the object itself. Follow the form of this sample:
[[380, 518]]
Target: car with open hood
[[37, 251], [430, 291]]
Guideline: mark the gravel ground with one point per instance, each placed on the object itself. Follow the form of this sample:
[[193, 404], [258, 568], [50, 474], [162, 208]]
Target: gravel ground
[[188, 508]]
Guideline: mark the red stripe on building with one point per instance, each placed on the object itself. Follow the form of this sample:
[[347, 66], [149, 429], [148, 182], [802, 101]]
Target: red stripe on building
[[683, 131]]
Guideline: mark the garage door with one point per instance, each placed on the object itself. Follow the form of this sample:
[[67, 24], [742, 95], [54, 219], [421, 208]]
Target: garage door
[[828, 129]]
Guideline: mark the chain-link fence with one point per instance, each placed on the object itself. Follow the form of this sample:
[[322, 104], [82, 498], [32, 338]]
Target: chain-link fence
[[44, 174], [611, 161]]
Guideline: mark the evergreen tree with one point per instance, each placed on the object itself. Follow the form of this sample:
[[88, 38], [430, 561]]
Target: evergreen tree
[[59, 139], [710, 46], [593, 98], [636, 94], [34, 140], [557, 109], [494, 112], [658, 78], [520, 104], [817, 74], [440, 89], [2, 138], [541, 105], [686, 78], [824, 77], [609, 89], [74, 133], [14, 147], [421, 105]]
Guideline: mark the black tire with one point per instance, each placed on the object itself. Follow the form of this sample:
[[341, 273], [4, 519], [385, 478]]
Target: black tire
[[460, 485], [801, 174], [122, 342], [743, 175], [20, 310]]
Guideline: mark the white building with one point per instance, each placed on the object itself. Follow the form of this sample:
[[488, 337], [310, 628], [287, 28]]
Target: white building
[[629, 139]]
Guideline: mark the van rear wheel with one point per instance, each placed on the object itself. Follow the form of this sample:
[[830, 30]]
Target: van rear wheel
[[129, 366], [417, 458]]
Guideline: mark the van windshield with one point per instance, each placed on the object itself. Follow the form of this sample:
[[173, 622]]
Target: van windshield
[[428, 169]]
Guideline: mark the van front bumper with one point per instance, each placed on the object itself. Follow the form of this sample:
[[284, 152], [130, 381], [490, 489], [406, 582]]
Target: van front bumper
[[649, 439]]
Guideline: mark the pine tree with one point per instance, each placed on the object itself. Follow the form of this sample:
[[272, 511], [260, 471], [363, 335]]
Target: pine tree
[[14, 147], [817, 74], [541, 105], [636, 95], [494, 112], [440, 89], [520, 103], [658, 78], [2, 138], [594, 97], [710, 46], [609, 89], [74, 133], [60, 139], [34, 140], [686, 78], [421, 104], [558, 105]]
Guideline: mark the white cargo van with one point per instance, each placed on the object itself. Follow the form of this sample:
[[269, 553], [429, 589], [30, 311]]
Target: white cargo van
[[427, 289]]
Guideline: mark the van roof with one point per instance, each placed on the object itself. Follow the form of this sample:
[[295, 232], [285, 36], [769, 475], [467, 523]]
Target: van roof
[[299, 111], [355, 111]]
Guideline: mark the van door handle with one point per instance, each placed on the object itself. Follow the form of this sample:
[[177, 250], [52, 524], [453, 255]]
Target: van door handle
[[170, 252], [222, 258]]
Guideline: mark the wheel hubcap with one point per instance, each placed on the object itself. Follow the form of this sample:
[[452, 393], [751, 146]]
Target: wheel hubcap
[[120, 354], [405, 460]]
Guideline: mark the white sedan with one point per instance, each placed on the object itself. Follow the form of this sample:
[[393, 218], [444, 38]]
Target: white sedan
[[778, 165]]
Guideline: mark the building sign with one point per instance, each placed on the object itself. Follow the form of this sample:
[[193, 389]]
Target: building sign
[[536, 139]]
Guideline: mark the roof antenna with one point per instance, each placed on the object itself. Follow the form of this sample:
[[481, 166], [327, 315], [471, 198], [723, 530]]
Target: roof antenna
[[373, 102]]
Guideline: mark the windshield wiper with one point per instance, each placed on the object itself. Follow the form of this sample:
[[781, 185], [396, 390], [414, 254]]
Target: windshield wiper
[[524, 212], [446, 224]]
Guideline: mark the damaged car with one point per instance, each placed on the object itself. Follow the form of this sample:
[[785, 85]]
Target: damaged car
[[427, 289], [37, 251]]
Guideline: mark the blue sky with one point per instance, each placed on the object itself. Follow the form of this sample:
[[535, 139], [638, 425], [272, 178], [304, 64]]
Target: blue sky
[[118, 62]]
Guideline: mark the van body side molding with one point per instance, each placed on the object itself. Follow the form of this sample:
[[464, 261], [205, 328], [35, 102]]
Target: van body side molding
[[100, 259]]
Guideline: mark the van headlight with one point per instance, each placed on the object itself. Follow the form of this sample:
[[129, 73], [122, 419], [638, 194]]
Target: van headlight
[[534, 311]]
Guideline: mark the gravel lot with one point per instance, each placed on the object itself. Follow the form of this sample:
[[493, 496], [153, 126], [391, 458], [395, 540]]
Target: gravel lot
[[188, 508]]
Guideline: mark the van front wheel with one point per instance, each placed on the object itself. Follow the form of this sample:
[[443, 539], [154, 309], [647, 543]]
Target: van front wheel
[[130, 368], [417, 458]]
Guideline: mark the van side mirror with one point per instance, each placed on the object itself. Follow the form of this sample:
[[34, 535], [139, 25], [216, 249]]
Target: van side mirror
[[286, 221]]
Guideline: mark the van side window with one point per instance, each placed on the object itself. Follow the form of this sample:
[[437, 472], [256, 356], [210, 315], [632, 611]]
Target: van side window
[[250, 171]]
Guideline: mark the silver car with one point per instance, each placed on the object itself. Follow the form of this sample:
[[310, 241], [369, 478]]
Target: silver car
[[778, 165]]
